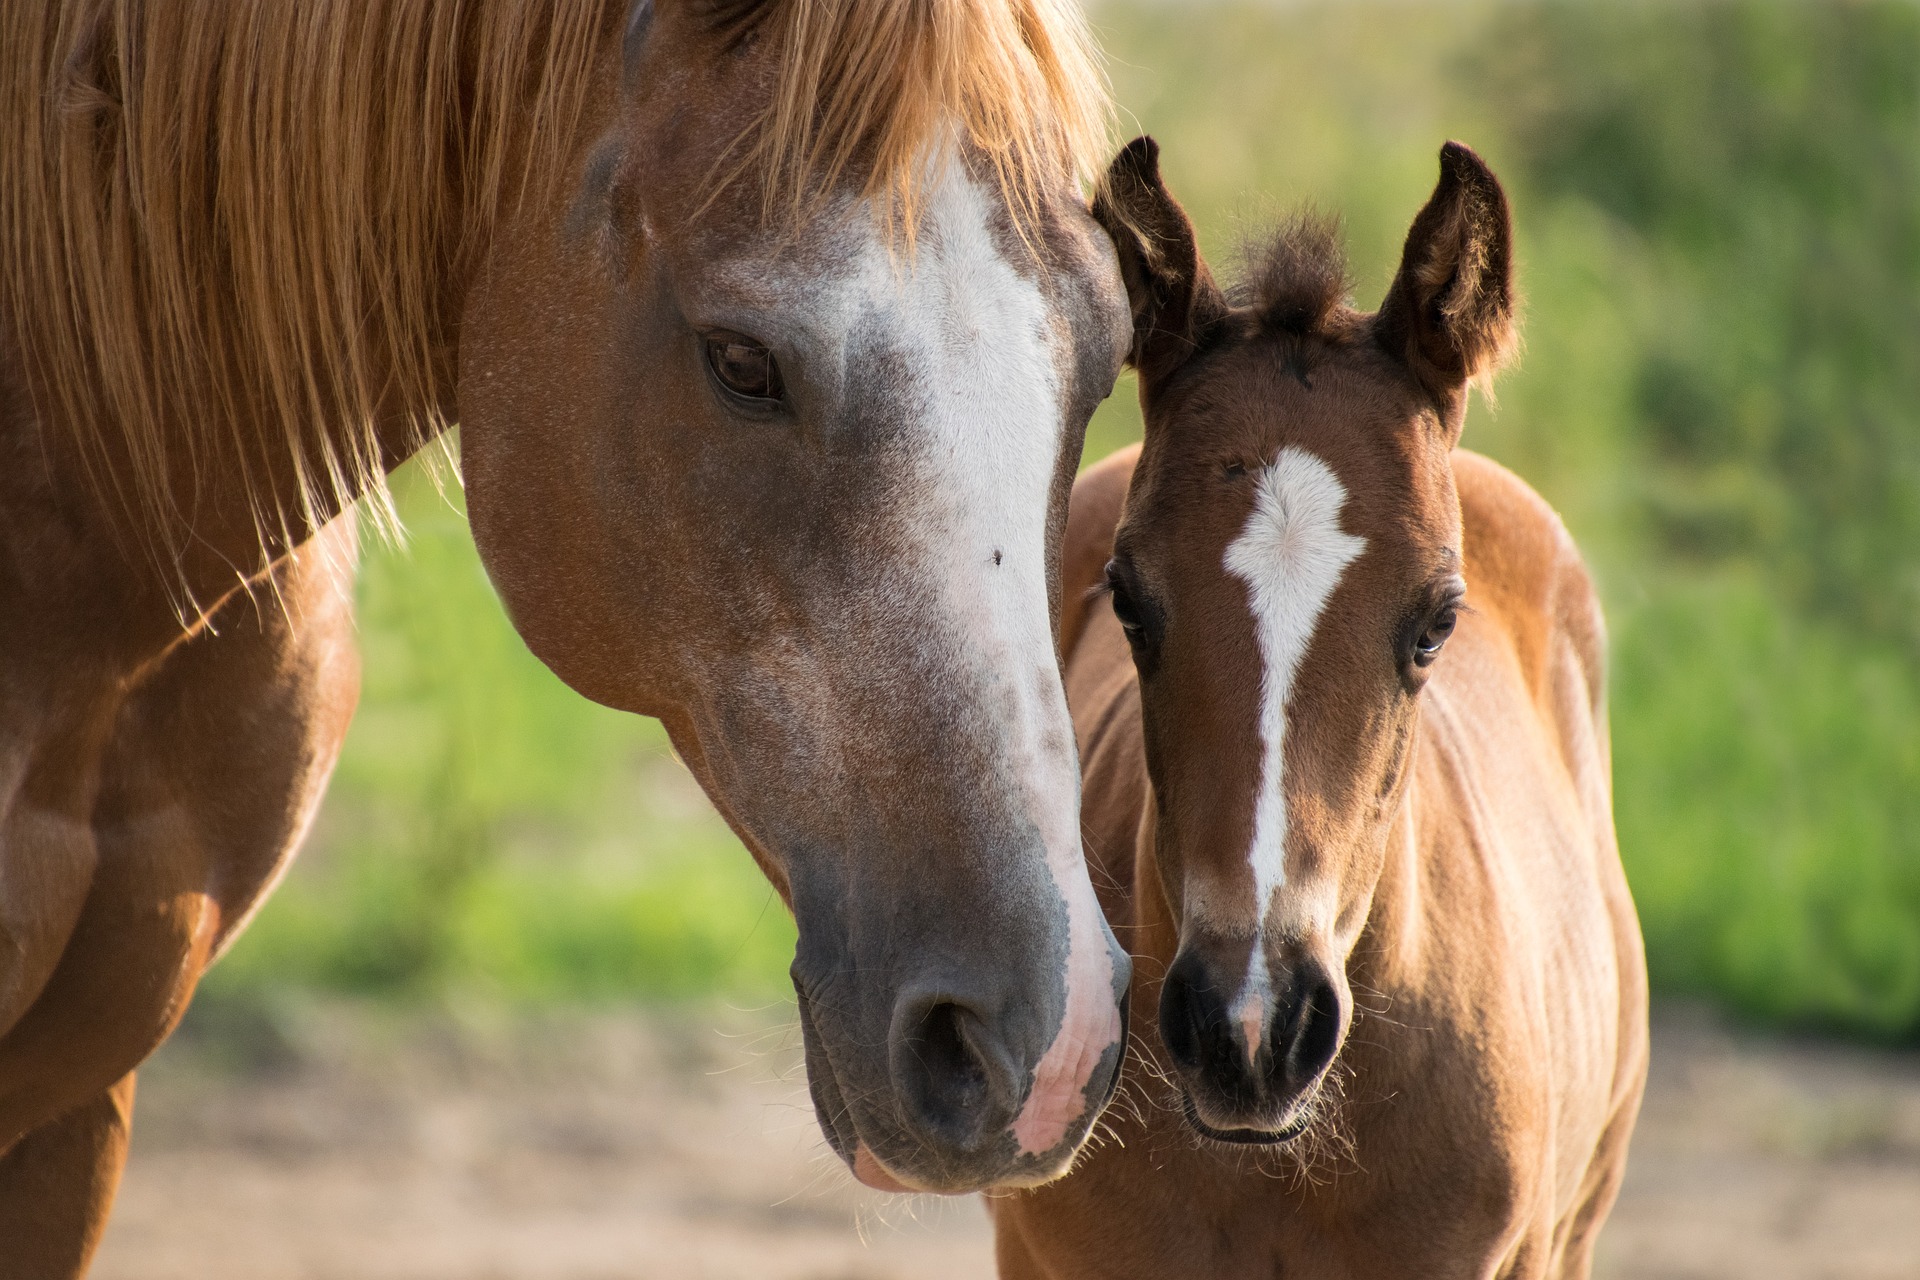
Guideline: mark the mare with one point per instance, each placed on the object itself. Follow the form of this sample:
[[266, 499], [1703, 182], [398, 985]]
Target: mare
[[1344, 736], [772, 327]]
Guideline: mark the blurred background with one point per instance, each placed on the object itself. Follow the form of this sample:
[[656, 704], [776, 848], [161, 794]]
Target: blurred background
[[1718, 211]]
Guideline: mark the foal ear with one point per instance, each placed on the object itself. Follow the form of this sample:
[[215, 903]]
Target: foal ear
[[1449, 312], [1174, 299]]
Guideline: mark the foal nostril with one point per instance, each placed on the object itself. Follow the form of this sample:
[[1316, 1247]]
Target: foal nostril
[[1188, 1019], [947, 1072], [1201, 1036], [1304, 1046]]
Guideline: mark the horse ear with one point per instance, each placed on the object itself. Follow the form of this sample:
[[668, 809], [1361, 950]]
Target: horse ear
[[1174, 299], [1449, 312]]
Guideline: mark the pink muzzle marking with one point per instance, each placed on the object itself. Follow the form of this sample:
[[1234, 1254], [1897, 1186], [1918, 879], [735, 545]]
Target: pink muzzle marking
[[1090, 1026], [1251, 1013]]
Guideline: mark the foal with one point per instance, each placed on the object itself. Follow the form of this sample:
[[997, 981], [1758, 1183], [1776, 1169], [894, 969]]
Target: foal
[[1346, 786]]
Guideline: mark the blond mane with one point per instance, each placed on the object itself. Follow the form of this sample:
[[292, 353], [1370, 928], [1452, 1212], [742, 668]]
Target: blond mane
[[226, 226]]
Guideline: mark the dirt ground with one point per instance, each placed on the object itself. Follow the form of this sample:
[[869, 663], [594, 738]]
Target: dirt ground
[[344, 1144]]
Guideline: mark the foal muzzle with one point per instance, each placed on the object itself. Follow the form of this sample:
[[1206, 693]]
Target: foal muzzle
[[1249, 1056]]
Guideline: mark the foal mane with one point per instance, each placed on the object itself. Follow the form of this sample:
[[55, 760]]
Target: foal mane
[[1296, 279]]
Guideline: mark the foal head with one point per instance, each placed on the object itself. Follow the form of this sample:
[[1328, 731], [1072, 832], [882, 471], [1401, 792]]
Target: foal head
[[773, 442], [1287, 572]]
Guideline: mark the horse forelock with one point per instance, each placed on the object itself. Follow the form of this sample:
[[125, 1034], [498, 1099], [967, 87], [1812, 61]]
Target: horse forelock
[[1296, 277], [884, 86]]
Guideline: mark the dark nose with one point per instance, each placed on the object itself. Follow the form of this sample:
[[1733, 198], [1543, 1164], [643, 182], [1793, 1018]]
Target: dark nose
[[1306, 1034], [1298, 1036], [955, 1078]]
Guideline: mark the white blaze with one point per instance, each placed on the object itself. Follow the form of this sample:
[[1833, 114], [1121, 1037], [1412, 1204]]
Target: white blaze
[[986, 353], [1291, 555]]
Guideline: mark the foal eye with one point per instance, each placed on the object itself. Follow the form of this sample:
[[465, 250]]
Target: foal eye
[[744, 368], [1439, 627]]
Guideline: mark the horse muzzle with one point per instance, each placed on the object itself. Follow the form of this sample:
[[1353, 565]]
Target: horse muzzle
[[1250, 1056], [957, 1094]]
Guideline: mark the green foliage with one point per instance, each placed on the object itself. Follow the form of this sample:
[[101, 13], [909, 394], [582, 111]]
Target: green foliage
[[1718, 206], [1767, 792], [1766, 157]]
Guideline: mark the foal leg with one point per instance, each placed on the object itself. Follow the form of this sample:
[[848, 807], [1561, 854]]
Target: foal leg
[[57, 1184]]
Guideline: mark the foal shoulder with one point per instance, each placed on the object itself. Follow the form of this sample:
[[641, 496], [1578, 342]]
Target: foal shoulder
[[1093, 513], [1524, 570]]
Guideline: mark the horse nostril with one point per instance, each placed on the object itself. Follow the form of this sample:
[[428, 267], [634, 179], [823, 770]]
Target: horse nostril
[[949, 1058], [1184, 1018], [945, 1079], [1308, 1045]]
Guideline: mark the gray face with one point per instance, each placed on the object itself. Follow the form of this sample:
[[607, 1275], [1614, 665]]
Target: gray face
[[800, 495]]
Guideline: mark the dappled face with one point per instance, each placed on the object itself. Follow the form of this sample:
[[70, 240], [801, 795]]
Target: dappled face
[[1288, 568], [889, 728], [798, 491]]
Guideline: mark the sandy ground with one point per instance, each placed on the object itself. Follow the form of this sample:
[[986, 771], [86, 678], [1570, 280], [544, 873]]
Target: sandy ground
[[342, 1144]]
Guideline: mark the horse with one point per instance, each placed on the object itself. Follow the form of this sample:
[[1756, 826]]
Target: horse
[[1339, 691], [772, 329]]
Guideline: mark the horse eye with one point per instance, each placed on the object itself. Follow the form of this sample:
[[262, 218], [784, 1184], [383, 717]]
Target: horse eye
[[744, 368], [1124, 608], [1439, 627]]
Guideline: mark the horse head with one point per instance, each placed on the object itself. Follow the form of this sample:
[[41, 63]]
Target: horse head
[[1287, 571], [775, 445]]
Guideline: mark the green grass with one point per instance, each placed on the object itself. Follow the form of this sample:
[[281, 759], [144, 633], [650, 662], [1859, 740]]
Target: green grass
[[1767, 792], [1718, 209]]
